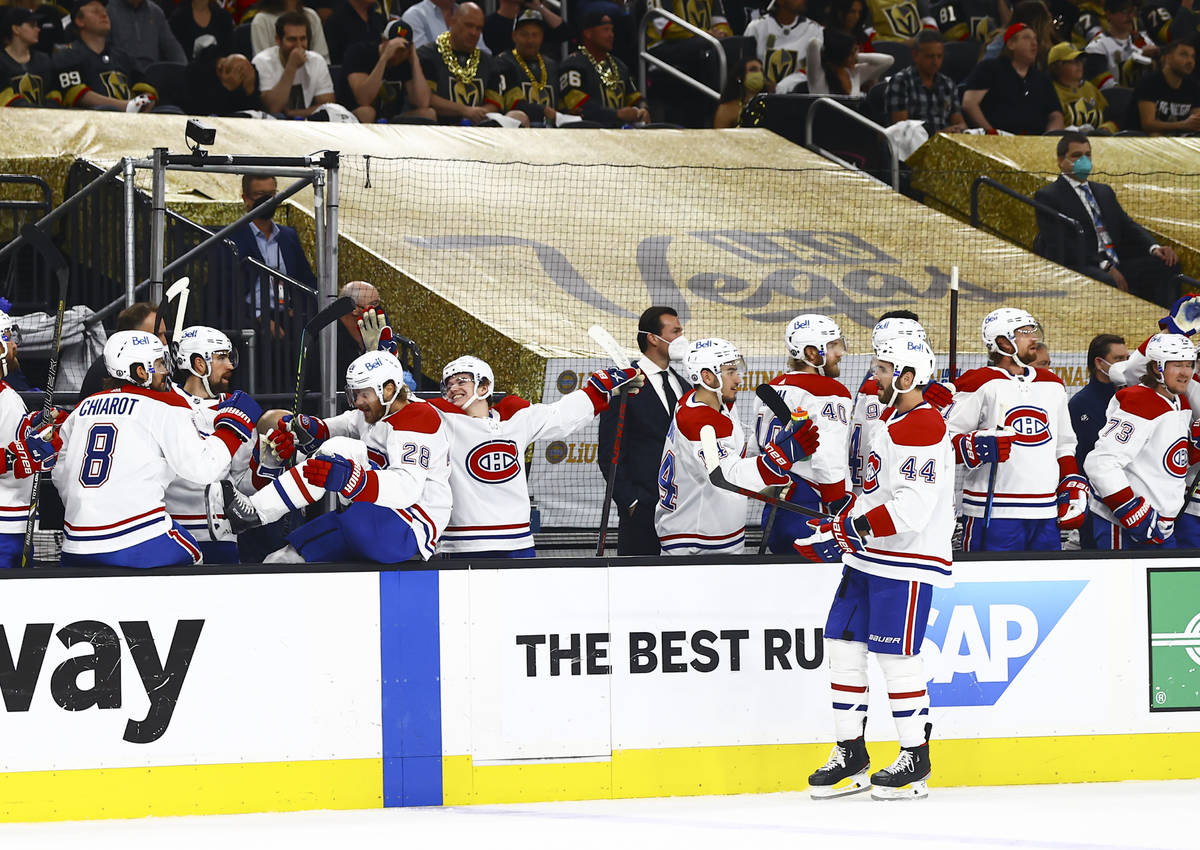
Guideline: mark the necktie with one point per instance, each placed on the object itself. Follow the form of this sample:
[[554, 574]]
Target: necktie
[[669, 391], [1101, 231]]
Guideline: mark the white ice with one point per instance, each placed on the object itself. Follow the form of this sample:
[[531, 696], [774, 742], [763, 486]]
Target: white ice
[[1054, 817]]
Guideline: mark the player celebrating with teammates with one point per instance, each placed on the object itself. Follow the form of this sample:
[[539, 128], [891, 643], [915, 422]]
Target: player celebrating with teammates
[[815, 347], [122, 447], [895, 544], [1141, 458], [490, 516], [1012, 430], [692, 515], [387, 459]]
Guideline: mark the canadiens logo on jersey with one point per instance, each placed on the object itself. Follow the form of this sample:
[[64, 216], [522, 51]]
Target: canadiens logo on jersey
[[780, 63], [1031, 424], [871, 475], [468, 93], [494, 462], [1175, 460]]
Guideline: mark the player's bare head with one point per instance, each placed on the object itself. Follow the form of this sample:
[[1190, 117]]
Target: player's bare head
[[138, 358], [10, 335], [1172, 362], [91, 18], [715, 365], [466, 27], [597, 31], [467, 380], [375, 385], [814, 344], [1009, 333]]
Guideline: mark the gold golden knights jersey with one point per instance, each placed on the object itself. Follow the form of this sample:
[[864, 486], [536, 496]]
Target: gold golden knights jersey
[[528, 86], [28, 84], [964, 20], [596, 90], [79, 70], [702, 14], [1085, 105], [899, 20], [480, 89]]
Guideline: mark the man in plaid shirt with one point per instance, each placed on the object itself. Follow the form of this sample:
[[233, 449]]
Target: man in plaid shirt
[[919, 92]]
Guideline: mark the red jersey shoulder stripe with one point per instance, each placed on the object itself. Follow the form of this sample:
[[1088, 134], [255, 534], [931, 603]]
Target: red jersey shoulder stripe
[[417, 416], [821, 385], [691, 416]]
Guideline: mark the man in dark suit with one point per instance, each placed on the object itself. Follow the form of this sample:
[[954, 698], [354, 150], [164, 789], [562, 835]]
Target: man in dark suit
[[1113, 248], [647, 417]]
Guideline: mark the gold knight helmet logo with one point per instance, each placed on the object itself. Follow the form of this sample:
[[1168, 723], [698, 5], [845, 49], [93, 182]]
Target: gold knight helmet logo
[[614, 98], [905, 19], [698, 13], [534, 93], [780, 63], [468, 92], [29, 87], [116, 83]]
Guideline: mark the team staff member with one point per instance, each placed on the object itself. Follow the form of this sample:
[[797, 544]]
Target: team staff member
[[1088, 407]]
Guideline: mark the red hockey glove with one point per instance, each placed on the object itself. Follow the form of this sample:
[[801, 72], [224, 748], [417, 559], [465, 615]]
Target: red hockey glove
[[1073, 492]]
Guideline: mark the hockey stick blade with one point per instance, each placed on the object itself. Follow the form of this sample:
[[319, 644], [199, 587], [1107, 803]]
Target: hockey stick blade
[[769, 396], [712, 463], [41, 242], [605, 340], [330, 314]]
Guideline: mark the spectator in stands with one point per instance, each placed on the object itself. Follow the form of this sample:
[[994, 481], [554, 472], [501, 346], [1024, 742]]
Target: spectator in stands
[[1009, 93], [95, 75], [198, 18], [647, 417], [293, 80], [27, 74], [1114, 248], [900, 20], [595, 84], [139, 316], [430, 18], [692, 55], [971, 20], [386, 81], [1089, 407], [1083, 105], [849, 17], [498, 27], [530, 79], [1168, 102], [1127, 51], [352, 22], [223, 85], [49, 17], [140, 31], [747, 83], [349, 334], [263, 29], [1036, 15], [780, 38], [836, 67], [465, 80], [921, 92]]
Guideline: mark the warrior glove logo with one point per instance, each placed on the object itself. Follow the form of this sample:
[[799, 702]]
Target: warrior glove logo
[[494, 462]]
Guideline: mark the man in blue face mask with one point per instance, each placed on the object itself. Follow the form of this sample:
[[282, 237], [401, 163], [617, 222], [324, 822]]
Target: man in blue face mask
[[1112, 247]]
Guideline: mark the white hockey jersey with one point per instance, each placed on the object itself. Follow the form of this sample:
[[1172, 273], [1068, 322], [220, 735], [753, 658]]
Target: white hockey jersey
[[121, 449], [1118, 51], [864, 422], [487, 468], [692, 516], [14, 492], [185, 499], [1034, 406], [827, 402], [781, 49], [908, 497], [1142, 450]]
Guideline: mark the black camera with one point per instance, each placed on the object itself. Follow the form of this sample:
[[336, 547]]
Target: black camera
[[200, 134]]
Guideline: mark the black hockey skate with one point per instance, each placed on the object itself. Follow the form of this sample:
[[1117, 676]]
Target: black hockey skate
[[905, 778], [239, 510], [844, 773]]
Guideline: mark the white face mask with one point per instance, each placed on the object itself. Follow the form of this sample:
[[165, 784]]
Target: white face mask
[[678, 347]]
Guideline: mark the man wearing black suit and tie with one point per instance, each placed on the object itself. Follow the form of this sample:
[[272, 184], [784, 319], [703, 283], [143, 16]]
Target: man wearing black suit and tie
[[647, 417], [1113, 248]]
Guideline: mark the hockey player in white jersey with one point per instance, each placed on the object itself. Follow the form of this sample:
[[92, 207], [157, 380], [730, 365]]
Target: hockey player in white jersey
[[1012, 431], [388, 460], [1141, 458], [895, 544], [207, 357], [815, 348], [490, 516], [692, 515], [122, 448]]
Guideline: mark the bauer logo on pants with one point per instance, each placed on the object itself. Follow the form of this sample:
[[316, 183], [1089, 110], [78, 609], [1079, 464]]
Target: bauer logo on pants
[[494, 461]]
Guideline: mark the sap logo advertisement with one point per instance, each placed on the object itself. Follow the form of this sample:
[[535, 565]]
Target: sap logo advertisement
[[982, 634]]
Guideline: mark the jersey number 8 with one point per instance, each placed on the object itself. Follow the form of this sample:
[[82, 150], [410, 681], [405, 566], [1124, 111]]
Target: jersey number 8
[[97, 455]]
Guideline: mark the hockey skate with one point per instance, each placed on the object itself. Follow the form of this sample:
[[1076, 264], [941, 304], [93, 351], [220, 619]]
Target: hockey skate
[[845, 772], [239, 510], [905, 778]]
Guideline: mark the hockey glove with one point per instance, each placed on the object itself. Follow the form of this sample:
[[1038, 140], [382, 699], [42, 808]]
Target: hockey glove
[[939, 396], [388, 343], [1184, 317], [371, 327], [238, 413], [1073, 492], [264, 462], [605, 384], [291, 432], [840, 506], [341, 475], [977, 448], [32, 454], [1194, 442], [834, 537], [789, 447], [1141, 521], [36, 421]]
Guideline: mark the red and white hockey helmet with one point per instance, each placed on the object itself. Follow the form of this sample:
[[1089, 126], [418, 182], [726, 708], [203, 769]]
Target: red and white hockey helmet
[[1005, 322], [886, 329], [1162, 349], [811, 329], [126, 349], [479, 372], [710, 354], [375, 370]]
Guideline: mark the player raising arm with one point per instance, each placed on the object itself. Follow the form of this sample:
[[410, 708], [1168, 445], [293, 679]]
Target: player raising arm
[[895, 544], [692, 515], [490, 516], [1138, 466], [387, 459], [124, 446]]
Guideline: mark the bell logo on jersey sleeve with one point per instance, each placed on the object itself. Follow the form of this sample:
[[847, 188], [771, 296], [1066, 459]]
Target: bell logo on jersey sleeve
[[494, 462], [1031, 424], [1176, 458]]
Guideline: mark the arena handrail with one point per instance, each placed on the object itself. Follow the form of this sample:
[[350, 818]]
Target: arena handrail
[[894, 165], [984, 180], [645, 56]]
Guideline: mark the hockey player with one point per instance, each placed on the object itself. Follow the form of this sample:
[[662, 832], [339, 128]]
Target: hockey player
[[1012, 431], [124, 446], [387, 459], [815, 348], [1141, 458], [895, 544], [490, 516], [692, 515], [207, 357]]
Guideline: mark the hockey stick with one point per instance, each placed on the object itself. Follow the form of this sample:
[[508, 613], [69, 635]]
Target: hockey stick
[[328, 316], [178, 290], [712, 462], [769, 396], [42, 243], [953, 364], [605, 340]]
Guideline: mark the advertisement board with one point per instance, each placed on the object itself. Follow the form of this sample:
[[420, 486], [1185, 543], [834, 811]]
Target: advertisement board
[[1174, 627]]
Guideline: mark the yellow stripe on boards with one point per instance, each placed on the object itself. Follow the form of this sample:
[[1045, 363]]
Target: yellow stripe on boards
[[132, 792], [763, 769]]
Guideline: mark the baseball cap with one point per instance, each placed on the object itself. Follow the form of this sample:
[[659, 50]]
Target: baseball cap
[[1063, 52], [79, 4], [397, 29], [1013, 30], [594, 17], [531, 16], [15, 16]]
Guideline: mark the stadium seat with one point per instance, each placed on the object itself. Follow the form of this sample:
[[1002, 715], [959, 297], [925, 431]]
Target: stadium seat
[[169, 80], [874, 106], [1120, 102], [961, 57], [1094, 64], [900, 53], [241, 40]]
